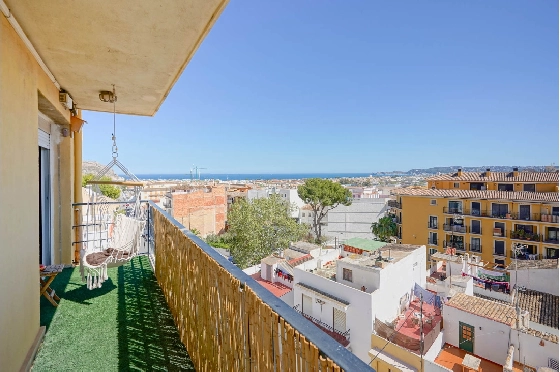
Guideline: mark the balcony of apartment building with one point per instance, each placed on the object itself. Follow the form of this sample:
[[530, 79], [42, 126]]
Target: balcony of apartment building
[[180, 305], [461, 229], [394, 204], [550, 235], [526, 252], [525, 232], [524, 216], [454, 210], [458, 245]]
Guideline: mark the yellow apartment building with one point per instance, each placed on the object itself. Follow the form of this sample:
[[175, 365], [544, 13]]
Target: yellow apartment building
[[55, 59], [482, 214]]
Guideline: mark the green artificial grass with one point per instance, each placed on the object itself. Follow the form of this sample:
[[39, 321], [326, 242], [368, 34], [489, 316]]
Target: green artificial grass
[[124, 325]]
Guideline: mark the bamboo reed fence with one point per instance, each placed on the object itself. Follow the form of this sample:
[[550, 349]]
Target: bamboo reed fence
[[223, 324]]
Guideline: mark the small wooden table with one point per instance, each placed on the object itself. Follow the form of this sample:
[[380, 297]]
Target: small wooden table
[[49, 273]]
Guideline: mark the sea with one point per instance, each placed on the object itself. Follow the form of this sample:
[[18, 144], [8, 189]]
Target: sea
[[250, 176]]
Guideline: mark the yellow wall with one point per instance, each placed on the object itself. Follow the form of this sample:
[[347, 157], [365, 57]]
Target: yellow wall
[[20, 81], [396, 352], [417, 209]]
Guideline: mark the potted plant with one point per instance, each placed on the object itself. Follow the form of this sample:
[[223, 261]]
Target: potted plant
[[520, 234]]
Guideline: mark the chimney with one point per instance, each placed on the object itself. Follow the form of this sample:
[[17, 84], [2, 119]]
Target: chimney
[[515, 172], [487, 174], [459, 172]]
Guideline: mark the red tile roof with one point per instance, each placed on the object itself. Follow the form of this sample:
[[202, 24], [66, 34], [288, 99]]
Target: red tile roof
[[484, 308], [481, 194], [498, 177], [277, 289]]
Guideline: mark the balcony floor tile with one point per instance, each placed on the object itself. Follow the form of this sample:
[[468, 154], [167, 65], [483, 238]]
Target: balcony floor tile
[[124, 325]]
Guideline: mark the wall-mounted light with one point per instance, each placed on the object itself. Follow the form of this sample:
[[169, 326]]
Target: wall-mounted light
[[107, 96], [65, 132]]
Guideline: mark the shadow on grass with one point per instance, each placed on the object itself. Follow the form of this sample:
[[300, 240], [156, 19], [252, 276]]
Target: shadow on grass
[[147, 336], [47, 310]]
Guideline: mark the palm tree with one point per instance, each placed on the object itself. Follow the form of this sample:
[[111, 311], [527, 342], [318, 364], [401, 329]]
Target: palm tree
[[384, 229]]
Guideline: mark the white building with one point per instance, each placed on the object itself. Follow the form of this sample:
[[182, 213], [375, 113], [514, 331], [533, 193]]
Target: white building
[[354, 221], [345, 296], [488, 328], [289, 195]]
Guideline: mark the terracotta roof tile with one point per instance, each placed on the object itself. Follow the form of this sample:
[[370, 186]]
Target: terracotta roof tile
[[498, 177], [542, 307], [481, 194], [484, 308]]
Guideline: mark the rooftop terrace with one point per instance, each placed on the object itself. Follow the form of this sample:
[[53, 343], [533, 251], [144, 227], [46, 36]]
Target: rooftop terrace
[[452, 358]]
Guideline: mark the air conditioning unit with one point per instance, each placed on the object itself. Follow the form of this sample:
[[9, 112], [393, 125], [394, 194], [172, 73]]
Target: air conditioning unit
[[65, 99]]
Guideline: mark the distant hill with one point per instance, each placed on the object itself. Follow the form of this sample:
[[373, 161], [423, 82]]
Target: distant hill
[[482, 168]]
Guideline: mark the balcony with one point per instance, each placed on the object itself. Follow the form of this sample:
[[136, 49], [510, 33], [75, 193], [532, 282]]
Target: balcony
[[194, 311], [455, 228], [129, 311], [525, 216], [523, 235], [499, 233], [342, 337], [456, 245], [448, 210], [394, 204], [432, 225]]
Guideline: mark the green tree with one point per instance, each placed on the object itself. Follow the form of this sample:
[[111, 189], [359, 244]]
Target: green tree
[[260, 227], [195, 231], [384, 229], [110, 191], [322, 196], [220, 241]]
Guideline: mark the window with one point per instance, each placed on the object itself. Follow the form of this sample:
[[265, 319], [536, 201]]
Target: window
[[475, 227], [455, 207], [434, 202], [505, 187], [432, 251], [499, 210], [432, 223], [456, 185], [475, 245], [497, 261], [525, 212], [475, 208], [529, 187], [347, 275], [499, 248], [432, 238], [552, 253], [555, 211], [476, 186]]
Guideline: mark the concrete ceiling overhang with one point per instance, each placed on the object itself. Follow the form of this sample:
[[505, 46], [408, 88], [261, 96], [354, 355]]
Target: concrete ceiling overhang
[[141, 46]]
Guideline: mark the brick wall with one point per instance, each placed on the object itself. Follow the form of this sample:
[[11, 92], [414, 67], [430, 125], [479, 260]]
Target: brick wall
[[203, 209]]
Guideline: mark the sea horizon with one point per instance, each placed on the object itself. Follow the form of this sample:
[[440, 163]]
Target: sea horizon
[[247, 176]]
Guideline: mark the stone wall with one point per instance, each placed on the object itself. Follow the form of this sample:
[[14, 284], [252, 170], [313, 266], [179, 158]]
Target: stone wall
[[203, 209]]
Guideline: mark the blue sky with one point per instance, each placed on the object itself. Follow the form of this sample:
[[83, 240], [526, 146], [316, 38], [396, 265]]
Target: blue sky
[[354, 86]]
